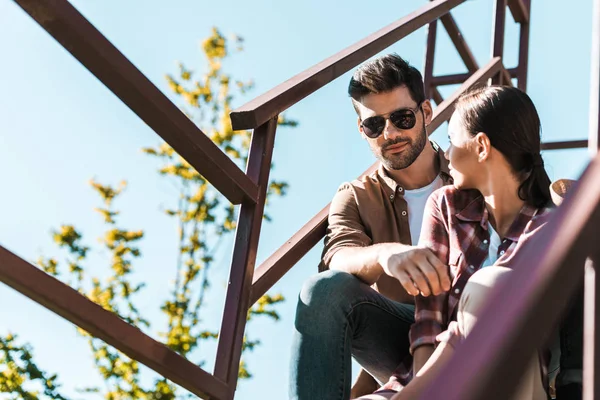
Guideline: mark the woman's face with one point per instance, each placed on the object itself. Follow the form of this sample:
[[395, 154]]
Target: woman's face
[[462, 153]]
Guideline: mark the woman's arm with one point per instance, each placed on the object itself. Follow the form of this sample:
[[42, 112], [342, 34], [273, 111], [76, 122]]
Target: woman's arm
[[427, 374], [429, 311]]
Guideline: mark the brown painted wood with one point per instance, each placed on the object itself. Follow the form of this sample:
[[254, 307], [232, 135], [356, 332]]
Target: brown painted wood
[[523, 47], [519, 10], [444, 111], [547, 272], [567, 144], [459, 42], [437, 96], [280, 98], [292, 251], [429, 59], [452, 79], [244, 258], [74, 307], [498, 35], [78, 36]]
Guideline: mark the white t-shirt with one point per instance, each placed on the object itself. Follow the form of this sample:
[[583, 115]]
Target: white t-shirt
[[415, 200], [493, 250]]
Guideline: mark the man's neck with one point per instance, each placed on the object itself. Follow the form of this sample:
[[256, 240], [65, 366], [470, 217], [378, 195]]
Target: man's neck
[[420, 173]]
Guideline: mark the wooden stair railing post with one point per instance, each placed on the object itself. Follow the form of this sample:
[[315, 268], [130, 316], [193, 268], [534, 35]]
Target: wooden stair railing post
[[523, 44], [591, 342], [498, 35], [231, 334], [429, 58]]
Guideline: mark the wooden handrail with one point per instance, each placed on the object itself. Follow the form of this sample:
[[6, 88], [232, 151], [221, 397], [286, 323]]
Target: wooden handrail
[[521, 312], [283, 96], [78, 36], [282, 260], [67, 302]]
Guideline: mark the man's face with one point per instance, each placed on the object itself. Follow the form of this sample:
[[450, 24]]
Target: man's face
[[395, 148]]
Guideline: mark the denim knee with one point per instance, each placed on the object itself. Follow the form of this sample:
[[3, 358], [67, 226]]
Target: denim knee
[[327, 295]]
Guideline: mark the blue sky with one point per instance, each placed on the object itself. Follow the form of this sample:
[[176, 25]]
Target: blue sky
[[59, 127]]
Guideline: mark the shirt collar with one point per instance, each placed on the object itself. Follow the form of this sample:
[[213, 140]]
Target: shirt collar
[[476, 211], [391, 185]]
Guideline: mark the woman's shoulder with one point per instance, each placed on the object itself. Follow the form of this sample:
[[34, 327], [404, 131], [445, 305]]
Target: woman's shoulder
[[450, 196]]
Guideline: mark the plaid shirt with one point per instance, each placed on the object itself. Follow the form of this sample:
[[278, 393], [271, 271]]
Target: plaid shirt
[[455, 228]]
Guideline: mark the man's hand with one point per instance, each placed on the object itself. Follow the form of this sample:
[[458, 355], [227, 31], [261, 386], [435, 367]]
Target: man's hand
[[417, 268]]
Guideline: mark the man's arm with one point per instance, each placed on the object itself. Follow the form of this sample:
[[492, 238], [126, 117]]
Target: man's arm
[[348, 248], [417, 269]]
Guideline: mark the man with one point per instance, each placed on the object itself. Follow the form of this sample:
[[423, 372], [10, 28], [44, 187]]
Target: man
[[362, 306]]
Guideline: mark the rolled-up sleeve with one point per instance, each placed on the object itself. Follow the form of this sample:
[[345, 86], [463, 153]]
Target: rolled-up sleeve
[[345, 228], [429, 318]]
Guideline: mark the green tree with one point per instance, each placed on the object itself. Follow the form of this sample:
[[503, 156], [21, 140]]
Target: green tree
[[204, 218]]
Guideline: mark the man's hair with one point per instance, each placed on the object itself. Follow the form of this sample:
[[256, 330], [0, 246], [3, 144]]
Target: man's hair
[[384, 74]]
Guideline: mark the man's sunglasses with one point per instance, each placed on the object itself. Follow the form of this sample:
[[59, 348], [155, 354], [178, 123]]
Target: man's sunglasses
[[404, 118]]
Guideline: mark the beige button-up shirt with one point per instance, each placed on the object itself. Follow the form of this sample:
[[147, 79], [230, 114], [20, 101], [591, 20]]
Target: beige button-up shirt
[[369, 211]]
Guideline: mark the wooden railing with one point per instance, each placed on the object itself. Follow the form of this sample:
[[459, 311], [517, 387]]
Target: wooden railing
[[61, 20]]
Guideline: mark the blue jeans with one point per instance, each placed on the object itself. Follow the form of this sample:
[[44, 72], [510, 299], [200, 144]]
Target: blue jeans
[[337, 317]]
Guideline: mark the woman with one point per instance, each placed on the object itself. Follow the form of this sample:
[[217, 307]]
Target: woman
[[499, 200]]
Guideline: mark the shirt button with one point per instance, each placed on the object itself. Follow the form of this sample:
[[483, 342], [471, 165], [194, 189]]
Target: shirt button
[[391, 197], [457, 291], [399, 189], [471, 267], [485, 241], [502, 252], [404, 213]]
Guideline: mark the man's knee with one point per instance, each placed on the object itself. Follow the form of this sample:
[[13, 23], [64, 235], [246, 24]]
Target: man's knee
[[327, 297], [329, 288]]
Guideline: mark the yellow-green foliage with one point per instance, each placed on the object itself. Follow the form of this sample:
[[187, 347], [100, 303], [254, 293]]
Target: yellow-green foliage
[[204, 217]]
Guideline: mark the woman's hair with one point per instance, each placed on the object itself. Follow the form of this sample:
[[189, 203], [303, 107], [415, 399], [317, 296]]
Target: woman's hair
[[509, 118]]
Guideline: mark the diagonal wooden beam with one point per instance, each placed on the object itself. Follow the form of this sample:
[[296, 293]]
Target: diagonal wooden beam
[[280, 98], [74, 307], [292, 251], [459, 42], [519, 11], [78, 36], [437, 96], [444, 111]]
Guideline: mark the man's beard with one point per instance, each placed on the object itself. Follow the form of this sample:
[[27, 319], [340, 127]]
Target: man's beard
[[408, 156]]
